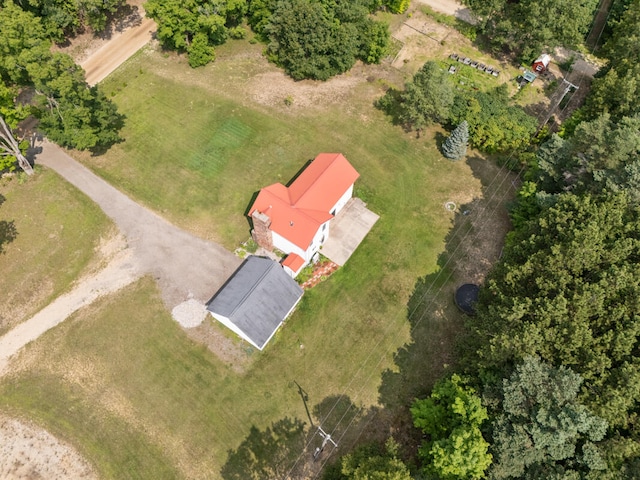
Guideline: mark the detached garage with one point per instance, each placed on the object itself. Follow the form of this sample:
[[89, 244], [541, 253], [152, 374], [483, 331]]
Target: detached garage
[[255, 301]]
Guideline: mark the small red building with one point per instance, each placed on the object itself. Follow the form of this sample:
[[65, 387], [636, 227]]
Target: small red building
[[541, 63]]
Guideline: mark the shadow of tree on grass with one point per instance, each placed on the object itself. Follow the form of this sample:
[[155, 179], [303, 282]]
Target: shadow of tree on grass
[[8, 231], [270, 453], [437, 326]]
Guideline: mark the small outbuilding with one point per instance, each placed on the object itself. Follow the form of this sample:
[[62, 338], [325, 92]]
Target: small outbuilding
[[466, 297], [541, 63], [255, 301]]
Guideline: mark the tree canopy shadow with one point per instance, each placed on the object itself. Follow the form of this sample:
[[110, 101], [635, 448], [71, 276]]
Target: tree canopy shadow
[[270, 453], [291, 448], [8, 231]]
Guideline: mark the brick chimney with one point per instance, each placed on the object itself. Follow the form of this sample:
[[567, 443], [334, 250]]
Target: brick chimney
[[261, 233]]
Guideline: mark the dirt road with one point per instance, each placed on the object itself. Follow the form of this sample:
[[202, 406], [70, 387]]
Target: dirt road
[[115, 52], [451, 7]]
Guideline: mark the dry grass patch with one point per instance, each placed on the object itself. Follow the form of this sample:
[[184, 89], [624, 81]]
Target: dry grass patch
[[58, 232]]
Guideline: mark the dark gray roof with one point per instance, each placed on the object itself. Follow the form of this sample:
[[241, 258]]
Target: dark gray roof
[[257, 298]]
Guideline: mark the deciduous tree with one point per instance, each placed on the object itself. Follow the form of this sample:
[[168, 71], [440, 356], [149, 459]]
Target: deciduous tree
[[370, 462], [427, 98], [451, 417], [495, 124], [318, 39]]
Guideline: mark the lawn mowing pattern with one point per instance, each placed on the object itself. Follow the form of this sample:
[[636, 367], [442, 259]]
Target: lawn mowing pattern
[[230, 136]]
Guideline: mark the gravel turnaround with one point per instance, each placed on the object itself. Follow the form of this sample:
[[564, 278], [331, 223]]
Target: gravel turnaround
[[184, 266]]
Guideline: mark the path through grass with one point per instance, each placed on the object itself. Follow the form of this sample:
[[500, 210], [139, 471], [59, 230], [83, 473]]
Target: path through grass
[[57, 231]]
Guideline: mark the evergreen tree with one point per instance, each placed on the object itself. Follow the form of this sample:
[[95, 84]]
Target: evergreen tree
[[543, 428], [455, 147]]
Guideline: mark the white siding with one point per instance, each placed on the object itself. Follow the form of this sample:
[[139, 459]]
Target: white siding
[[231, 326], [286, 246], [343, 201]]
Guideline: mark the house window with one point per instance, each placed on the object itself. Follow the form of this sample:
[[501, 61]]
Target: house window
[[324, 227]]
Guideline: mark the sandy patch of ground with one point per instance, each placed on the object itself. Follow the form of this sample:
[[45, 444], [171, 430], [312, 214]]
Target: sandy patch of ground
[[28, 452], [230, 351], [121, 269], [275, 88], [85, 44], [482, 222], [451, 7]]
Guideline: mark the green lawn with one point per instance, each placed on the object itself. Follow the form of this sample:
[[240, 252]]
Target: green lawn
[[197, 148], [57, 230]]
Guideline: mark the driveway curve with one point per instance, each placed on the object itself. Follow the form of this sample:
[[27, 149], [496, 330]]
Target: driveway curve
[[184, 266]]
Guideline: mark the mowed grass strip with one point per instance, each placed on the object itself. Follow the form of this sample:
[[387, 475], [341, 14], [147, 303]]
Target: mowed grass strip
[[345, 331], [58, 229]]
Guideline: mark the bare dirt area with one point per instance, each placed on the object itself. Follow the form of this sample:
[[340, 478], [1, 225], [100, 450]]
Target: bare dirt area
[[451, 7], [482, 222], [28, 452], [85, 44], [121, 269]]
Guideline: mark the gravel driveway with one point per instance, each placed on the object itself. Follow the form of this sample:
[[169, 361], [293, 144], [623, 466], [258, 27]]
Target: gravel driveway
[[183, 265]]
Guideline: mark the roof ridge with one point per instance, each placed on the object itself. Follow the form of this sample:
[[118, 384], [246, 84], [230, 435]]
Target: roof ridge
[[336, 155], [255, 285]]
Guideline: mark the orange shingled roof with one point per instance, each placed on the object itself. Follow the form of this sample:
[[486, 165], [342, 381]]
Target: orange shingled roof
[[297, 212], [294, 262]]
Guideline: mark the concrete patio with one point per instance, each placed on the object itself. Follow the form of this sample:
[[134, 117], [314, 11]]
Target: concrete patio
[[348, 230]]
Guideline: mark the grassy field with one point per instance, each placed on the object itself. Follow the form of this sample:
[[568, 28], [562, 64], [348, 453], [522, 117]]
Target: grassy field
[[57, 231], [124, 384]]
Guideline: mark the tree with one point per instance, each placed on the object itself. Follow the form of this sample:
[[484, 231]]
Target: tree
[[205, 23], [397, 6], [530, 26], [616, 90], [452, 417], [427, 98], [65, 17], [23, 42], [12, 150], [495, 124], [318, 39], [371, 462], [200, 52], [567, 289], [455, 146], [601, 154], [72, 113], [542, 427]]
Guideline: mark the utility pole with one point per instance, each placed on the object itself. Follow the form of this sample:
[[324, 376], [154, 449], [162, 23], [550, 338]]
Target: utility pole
[[326, 438], [304, 397]]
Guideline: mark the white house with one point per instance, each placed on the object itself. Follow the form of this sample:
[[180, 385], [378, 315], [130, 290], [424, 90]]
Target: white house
[[296, 219]]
